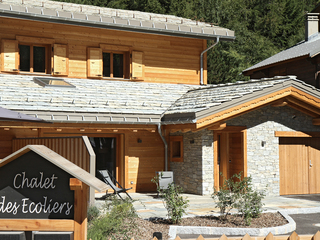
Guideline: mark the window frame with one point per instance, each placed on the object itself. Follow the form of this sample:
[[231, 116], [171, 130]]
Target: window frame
[[175, 139], [46, 58], [125, 68]]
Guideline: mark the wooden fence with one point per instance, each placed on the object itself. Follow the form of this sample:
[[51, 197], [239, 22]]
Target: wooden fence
[[293, 236]]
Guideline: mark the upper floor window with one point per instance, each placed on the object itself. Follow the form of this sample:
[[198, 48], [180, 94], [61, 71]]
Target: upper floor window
[[113, 65], [33, 58], [112, 61], [34, 55]]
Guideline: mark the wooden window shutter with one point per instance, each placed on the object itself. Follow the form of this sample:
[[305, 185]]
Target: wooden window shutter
[[94, 62], [60, 60], [9, 56], [137, 66]]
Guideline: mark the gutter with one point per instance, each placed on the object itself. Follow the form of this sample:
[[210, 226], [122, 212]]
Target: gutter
[[201, 59], [165, 147]]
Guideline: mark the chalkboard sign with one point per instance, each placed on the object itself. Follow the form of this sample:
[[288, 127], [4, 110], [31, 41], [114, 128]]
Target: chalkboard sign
[[32, 187]]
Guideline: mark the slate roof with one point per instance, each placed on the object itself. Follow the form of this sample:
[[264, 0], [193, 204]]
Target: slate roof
[[99, 17], [308, 48], [90, 100], [200, 103], [110, 102]]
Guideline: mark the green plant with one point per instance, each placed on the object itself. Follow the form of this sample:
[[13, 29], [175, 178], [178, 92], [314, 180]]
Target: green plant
[[117, 223], [238, 193], [250, 203], [155, 180], [174, 202], [93, 212]]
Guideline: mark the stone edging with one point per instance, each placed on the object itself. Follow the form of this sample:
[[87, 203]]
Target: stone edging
[[302, 210], [289, 227]]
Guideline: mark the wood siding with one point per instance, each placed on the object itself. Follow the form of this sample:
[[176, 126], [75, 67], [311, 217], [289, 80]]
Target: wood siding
[[165, 59], [143, 160], [72, 148], [137, 161]]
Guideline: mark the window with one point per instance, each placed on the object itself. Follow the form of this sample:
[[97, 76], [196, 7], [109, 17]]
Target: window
[[176, 148], [52, 82], [113, 65], [33, 58], [112, 61], [33, 55]]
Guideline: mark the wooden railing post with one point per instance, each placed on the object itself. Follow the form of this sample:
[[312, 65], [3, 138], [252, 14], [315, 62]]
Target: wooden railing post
[[294, 236], [269, 236], [316, 236], [80, 208]]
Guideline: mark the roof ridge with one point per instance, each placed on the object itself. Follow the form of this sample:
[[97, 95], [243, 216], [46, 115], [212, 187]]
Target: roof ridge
[[96, 10], [276, 78]]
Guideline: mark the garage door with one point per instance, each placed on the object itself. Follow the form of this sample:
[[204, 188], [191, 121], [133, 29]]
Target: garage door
[[299, 165]]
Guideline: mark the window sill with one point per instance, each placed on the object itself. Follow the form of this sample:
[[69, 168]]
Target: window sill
[[36, 74]]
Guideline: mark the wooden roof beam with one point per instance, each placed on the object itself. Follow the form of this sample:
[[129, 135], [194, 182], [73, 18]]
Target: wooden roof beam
[[218, 126], [73, 126], [280, 103], [302, 107], [180, 127], [316, 121]]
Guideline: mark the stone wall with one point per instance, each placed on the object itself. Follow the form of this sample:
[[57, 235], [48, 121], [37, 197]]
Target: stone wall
[[263, 161], [195, 173]]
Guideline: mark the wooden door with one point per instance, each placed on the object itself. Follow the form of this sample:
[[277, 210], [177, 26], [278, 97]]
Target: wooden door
[[230, 155], [299, 165], [236, 162]]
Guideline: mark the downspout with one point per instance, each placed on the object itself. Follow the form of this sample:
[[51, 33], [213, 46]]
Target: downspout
[[201, 60], [165, 147]]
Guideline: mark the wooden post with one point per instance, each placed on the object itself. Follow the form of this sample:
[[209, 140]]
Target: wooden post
[[200, 238], [269, 237], [80, 208], [316, 236], [294, 236]]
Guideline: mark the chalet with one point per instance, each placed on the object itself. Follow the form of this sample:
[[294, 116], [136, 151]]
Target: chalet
[[301, 60], [127, 91]]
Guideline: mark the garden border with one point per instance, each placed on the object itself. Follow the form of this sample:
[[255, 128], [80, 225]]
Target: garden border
[[289, 227]]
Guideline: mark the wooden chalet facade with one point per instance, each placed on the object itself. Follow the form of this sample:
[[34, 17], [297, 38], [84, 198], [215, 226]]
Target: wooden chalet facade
[[124, 91]]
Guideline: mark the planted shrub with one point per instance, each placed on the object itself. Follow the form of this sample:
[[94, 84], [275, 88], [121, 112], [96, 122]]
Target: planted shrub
[[238, 193], [174, 202], [93, 212], [117, 223], [155, 180]]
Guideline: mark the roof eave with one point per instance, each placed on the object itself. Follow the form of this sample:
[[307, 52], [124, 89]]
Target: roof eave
[[112, 26], [283, 88], [251, 70]]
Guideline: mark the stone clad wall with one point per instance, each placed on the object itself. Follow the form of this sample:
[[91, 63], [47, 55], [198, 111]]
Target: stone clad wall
[[195, 173], [263, 162]]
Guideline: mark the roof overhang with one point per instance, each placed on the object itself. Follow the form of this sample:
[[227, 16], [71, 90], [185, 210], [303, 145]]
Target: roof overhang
[[111, 26], [251, 70], [6, 114]]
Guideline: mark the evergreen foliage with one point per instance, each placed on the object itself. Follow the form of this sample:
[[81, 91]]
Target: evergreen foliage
[[262, 27]]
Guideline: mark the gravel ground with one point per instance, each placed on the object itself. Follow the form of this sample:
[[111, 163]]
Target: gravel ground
[[147, 228]]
